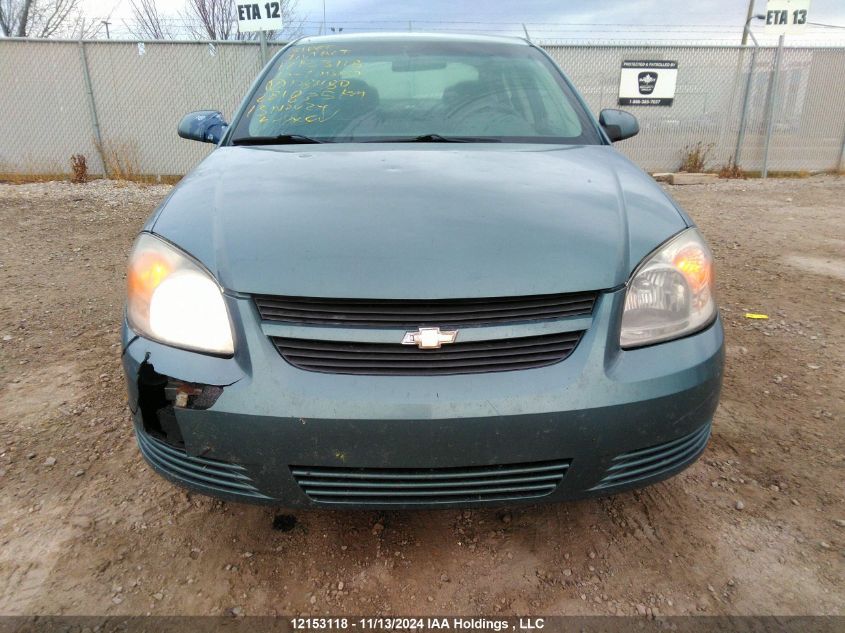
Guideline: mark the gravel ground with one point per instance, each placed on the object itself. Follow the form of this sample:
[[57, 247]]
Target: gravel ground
[[757, 526]]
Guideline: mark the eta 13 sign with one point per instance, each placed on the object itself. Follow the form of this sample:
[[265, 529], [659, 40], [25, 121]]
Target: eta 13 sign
[[259, 16], [787, 16]]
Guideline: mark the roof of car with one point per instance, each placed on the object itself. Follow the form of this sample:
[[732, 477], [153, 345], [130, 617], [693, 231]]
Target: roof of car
[[416, 35]]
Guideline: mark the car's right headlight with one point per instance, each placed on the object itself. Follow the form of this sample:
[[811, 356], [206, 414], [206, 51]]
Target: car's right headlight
[[172, 299], [670, 294]]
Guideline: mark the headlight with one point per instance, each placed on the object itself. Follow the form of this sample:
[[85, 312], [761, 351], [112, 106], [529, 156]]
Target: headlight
[[172, 299], [671, 293]]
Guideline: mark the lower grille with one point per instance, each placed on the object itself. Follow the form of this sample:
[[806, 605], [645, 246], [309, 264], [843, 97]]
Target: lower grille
[[432, 485], [221, 476], [394, 359], [654, 461]]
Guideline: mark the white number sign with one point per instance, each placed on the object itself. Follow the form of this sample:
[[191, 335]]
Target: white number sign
[[787, 16], [259, 16]]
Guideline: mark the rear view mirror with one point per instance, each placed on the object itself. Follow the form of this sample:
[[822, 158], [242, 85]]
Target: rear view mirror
[[414, 64], [618, 124], [206, 126]]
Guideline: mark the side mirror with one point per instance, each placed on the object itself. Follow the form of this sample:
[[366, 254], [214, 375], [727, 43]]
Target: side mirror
[[618, 124], [206, 126]]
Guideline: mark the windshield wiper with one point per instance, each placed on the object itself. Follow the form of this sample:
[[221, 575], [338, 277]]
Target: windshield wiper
[[437, 138], [279, 139]]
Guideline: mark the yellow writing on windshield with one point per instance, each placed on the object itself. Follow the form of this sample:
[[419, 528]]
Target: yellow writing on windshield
[[312, 85]]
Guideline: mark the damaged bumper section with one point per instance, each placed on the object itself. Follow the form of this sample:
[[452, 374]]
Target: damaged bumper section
[[161, 441], [255, 428], [158, 397]]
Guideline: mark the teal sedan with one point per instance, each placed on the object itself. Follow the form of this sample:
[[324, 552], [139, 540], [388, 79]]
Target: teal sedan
[[414, 272]]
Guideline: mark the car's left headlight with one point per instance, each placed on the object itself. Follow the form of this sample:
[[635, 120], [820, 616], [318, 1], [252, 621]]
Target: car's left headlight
[[670, 294], [172, 299]]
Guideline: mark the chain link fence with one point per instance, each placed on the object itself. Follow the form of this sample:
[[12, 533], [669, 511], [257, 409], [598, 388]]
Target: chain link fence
[[807, 104], [118, 103]]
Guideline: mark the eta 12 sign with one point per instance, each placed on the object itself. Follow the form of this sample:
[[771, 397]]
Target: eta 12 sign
[[787, 16], [259, 16]]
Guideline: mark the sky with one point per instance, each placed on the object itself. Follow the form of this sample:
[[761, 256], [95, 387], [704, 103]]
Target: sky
[[718, 21]]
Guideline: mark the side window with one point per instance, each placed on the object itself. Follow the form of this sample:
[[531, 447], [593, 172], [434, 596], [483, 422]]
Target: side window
[[520, 87], [536, 97], [558, 113]]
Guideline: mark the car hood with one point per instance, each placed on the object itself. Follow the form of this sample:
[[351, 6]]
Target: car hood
[[418, 221]]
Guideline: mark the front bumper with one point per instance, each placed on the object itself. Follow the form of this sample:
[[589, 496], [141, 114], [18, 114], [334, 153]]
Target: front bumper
[[601, 421]]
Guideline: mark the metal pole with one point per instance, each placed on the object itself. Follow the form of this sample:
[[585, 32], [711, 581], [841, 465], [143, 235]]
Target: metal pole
[[747, 22], [743, 117], [771, 107], [89, 90], [842, 155], [262, 38], [527, 37], [744, 113]]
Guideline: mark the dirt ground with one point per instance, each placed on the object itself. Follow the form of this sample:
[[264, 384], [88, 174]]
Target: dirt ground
[[757, 526]]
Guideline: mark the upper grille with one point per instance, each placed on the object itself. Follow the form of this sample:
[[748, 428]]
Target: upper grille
[[654, 461], [430, 485], [394, 359], [200, 471], [417, 312]]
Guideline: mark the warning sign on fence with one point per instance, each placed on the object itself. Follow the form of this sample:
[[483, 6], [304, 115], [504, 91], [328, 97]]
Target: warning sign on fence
[[648, 82]]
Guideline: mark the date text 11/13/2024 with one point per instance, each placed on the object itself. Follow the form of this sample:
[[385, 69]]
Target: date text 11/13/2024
[[419, 624]]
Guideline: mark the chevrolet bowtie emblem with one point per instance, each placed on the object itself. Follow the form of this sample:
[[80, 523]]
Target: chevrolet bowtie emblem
[[429, 337]]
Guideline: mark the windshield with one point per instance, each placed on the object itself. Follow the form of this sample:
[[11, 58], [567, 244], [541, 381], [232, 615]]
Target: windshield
[[403, 89]]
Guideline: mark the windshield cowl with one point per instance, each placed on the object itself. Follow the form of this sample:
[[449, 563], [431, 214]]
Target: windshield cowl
[[279, 139]]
